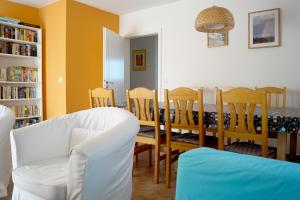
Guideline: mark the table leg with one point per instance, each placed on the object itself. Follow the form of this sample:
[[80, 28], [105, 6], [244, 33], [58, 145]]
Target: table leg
[[281, 146], [293, 147]]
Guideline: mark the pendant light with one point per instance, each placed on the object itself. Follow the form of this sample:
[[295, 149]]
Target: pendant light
[[214, 20]]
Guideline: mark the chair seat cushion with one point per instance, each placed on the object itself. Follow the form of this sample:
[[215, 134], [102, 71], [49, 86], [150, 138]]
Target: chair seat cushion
[[149, 131], [194, 139], [247, 148], [46, 179]]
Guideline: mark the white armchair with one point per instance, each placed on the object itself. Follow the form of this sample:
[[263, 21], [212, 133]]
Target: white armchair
[[7, 120], [82, 156]]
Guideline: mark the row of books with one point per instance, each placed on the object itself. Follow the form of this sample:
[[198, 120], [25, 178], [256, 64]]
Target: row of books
[[7, 32], [18, 49], [16, 21], [25, 110], [18, 74], [10, 92], [9, 20], [26, 122], [26, 35], [18, 33]]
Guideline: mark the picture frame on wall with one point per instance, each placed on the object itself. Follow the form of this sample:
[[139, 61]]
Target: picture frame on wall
[[139, 60], [264, 28], [217, 39]]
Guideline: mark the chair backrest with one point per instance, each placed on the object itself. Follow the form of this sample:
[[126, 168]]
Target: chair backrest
[[184, 101], [108, 154], [144, 103], [277, 93], [241, 104], [101, 97]]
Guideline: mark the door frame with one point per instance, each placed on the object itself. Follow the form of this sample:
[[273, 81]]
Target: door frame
[[145, 33]]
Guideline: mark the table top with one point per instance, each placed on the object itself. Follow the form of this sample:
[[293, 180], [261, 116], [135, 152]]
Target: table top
[[283, 120]]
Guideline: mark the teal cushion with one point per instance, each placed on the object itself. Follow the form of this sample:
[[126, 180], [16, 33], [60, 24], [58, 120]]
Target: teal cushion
[[208, 174]]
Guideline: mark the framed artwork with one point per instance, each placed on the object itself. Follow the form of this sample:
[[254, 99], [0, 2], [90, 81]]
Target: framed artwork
[[264, 28], [217, 39], [139, 60]]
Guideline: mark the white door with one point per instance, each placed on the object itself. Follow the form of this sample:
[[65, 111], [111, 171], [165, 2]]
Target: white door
[[116, 61]]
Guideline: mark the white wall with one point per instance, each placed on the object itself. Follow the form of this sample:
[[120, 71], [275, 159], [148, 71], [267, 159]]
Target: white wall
[[146, 78], [186, 61]]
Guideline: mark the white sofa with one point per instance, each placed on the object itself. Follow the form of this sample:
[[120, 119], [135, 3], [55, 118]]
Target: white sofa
[[55, 160], [7, 120]]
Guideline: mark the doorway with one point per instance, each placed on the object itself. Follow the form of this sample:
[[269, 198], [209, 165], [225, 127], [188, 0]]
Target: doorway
[[118, 61], [146, 76]]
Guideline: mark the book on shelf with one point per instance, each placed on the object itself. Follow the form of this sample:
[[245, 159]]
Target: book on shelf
[[9, 20], [18, 33], [26, 122], [18, 49], [7, 32], [25, 110], [11, 92], [18, 74], [30, 25]]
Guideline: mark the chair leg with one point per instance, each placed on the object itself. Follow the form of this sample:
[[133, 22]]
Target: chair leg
[[168, 167], [150, 155], [136, 155], [157, 163]]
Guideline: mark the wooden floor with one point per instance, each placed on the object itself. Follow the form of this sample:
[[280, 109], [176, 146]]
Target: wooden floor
[[144, 187]]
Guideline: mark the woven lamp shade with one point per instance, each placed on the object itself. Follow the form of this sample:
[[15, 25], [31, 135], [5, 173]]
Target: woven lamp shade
[[214, 20]]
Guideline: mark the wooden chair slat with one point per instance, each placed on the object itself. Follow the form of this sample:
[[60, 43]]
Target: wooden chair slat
[[101, 97], [137, 108], [148, 110]]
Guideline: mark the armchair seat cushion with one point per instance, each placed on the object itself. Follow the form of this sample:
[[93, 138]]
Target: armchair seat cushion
[[46, 179]]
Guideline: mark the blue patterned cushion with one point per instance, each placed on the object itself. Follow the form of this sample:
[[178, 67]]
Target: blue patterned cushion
[[149, 131], [247, 148], [194, 139]]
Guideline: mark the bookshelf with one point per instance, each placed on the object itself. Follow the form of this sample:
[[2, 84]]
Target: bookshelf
[[21, 72]]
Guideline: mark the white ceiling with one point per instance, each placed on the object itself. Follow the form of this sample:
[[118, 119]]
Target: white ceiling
[[114, 6], [35, 3]]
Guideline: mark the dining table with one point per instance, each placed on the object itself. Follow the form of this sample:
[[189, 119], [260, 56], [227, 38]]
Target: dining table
[[281, 122]]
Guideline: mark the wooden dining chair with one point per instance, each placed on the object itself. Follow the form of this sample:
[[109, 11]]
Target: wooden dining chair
[[182, 118], [277, 93], [144, 104], [276, 97], [241, 104], [101, 97]]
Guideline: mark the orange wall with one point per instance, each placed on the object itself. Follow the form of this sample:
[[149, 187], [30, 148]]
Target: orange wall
[[85, 51], [72, 50], [18, 11], [53, 23]]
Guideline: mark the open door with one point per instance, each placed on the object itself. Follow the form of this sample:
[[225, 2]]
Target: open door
[[116, 61]]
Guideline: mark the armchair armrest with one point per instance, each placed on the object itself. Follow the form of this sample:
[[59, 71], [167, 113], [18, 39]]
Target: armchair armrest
[[110, 154], [45, 140]]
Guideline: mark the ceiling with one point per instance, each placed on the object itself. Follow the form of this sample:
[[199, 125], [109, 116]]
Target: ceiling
[[114, 6], [34, 3]]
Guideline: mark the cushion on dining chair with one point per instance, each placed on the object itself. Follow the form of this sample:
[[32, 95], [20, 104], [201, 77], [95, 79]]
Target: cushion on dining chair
[[194, 139], [247, 148], [149, 131]]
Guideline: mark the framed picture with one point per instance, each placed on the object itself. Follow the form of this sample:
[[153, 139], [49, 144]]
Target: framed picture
[[264, 28], [217, 39], [139, 60]]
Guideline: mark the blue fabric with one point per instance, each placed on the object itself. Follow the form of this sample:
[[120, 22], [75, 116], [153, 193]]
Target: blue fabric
[[208, 174]]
